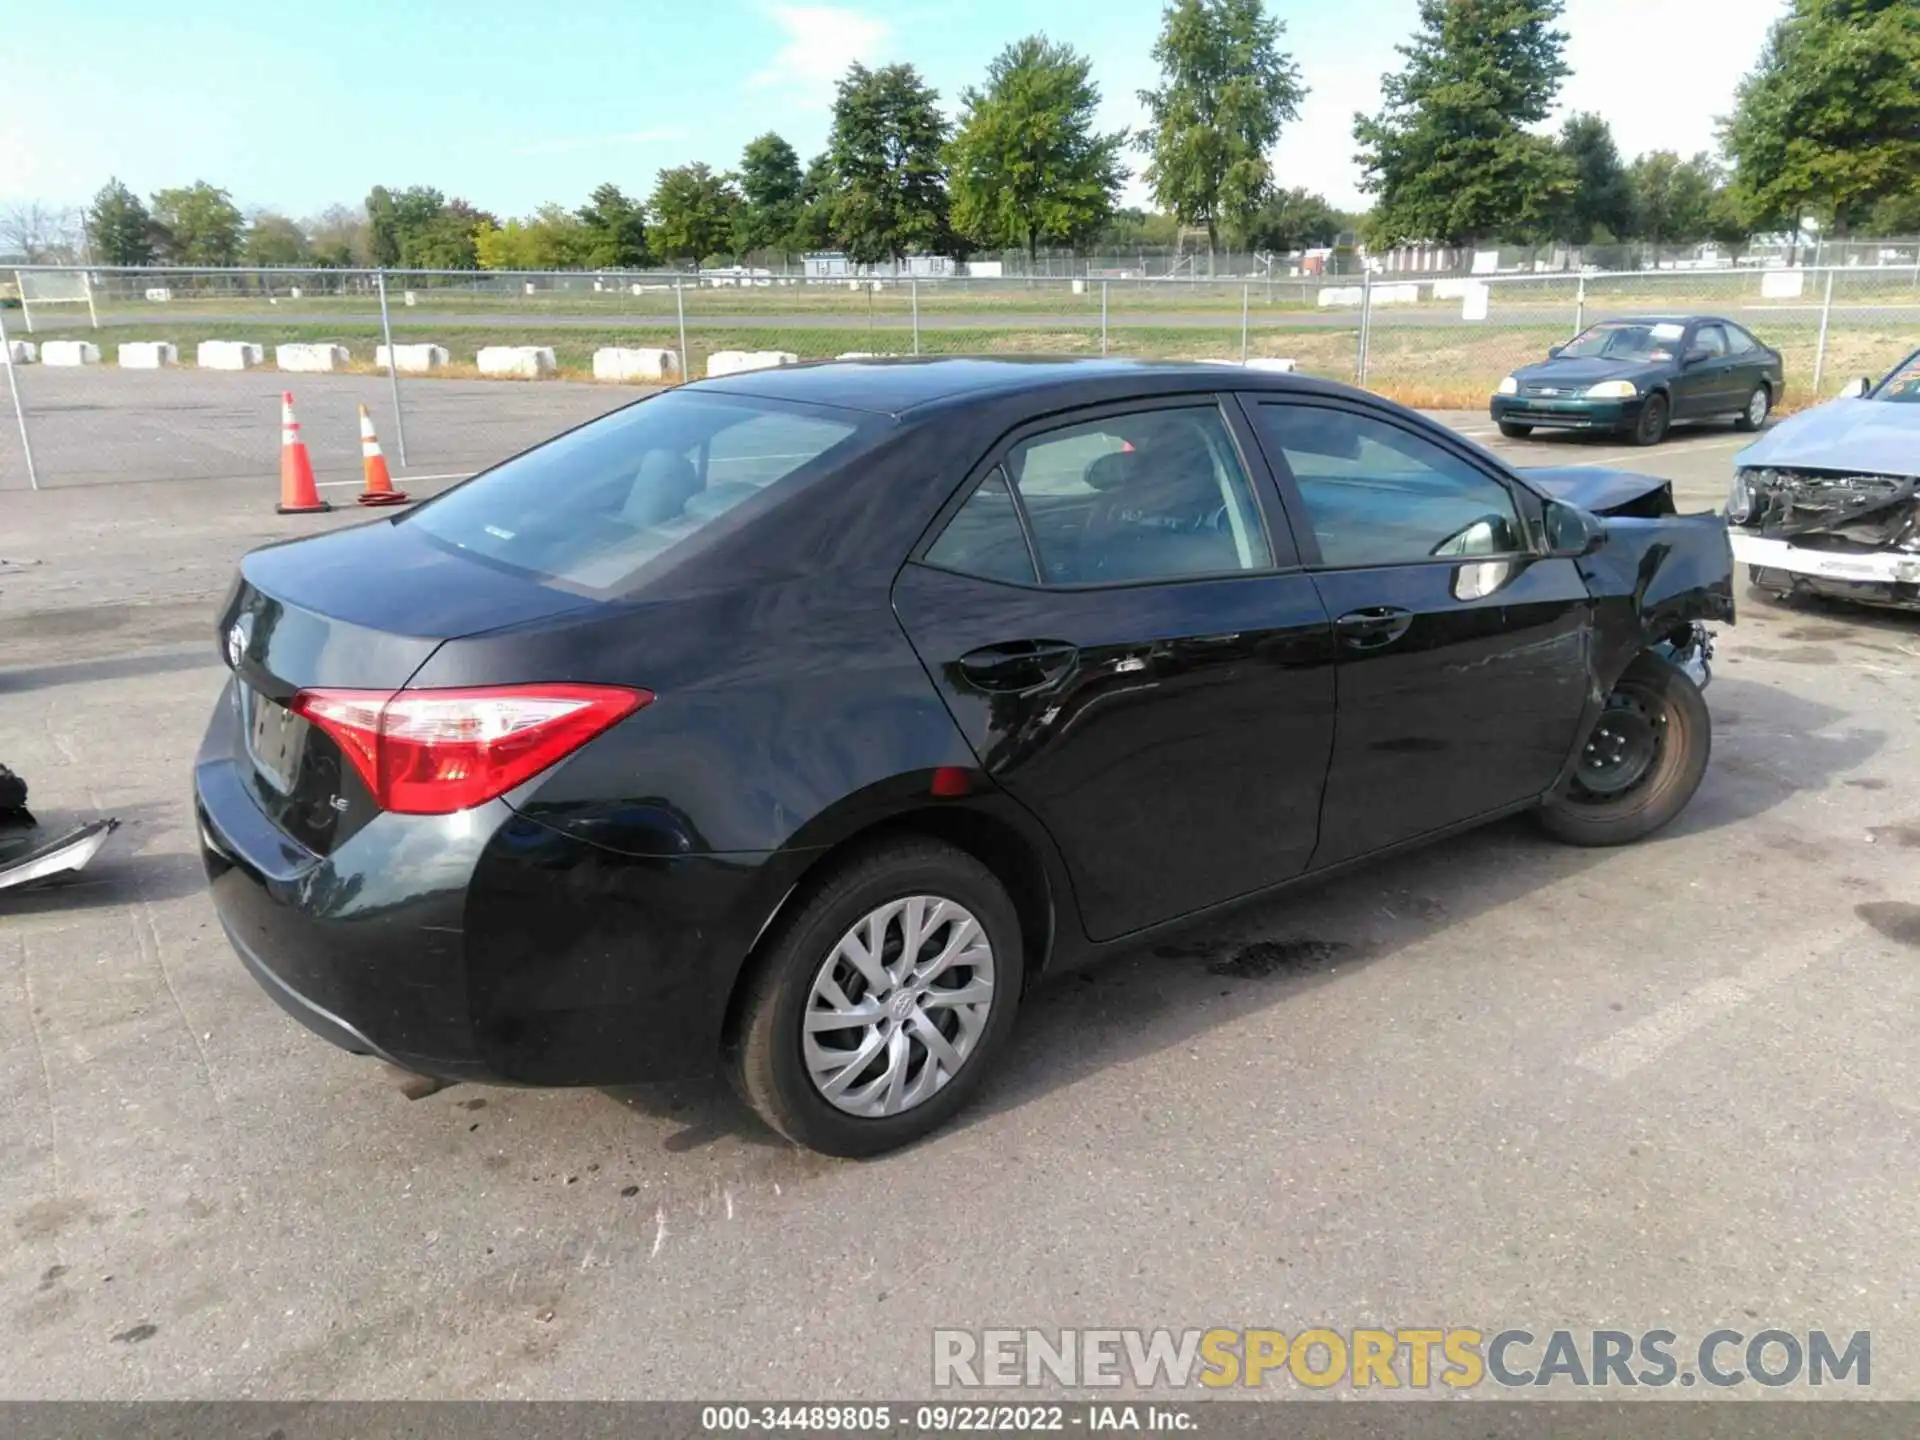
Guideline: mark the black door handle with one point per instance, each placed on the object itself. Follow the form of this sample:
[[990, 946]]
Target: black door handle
[[1372, 627], [1018, 664]]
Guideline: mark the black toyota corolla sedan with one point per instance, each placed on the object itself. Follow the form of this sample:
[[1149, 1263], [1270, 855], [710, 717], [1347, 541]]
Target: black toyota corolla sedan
[[797, 722]]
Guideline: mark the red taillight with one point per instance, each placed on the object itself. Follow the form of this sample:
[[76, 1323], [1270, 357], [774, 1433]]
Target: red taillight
[[431, 752]]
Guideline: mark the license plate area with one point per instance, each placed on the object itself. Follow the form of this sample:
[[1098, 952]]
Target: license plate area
[[276, 739]]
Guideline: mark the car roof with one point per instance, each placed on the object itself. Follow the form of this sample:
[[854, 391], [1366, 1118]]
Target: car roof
[[1664, 319], [900, 386]]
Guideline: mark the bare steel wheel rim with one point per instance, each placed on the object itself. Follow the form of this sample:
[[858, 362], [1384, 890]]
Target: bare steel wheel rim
[[1757, 407], [898, 1006]]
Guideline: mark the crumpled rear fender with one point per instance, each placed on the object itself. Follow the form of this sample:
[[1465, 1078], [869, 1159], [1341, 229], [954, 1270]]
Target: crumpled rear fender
[[1649, 581]]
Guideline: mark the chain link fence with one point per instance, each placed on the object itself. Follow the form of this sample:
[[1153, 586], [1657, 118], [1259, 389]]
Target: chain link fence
[[150, 404]]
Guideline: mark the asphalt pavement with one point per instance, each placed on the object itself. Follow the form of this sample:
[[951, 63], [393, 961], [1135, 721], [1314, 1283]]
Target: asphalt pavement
[[1497, 1082]]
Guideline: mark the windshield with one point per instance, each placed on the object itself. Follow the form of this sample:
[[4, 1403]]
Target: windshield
[[1903, 385], [1625, 340], [593, 506]]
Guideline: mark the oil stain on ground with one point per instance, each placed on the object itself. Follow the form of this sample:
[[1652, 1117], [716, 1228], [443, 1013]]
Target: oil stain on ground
[[1262, 958], [1906, 836], [1895, 919]]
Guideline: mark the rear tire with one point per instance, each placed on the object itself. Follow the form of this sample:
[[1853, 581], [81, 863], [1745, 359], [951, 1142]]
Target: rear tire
[[768, 1053], [1514, 430], [1656, 418], [1656, 703], [1759, 406]]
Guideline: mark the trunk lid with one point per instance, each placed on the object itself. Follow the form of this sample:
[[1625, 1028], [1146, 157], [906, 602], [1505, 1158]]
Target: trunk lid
[[362, 608]]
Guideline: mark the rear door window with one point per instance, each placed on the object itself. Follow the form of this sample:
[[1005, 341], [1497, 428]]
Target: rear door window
[[590, 509]]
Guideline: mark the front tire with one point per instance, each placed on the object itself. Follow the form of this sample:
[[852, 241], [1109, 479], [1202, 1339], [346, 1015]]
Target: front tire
[[1513, 430], [1640, 765], [1656, 418], [882, 1002], [1759, 406]]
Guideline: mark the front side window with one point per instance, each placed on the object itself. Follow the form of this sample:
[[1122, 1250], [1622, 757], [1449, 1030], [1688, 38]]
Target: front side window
[[1376, 494], [1149, 495], [589, 509], [1712, 339]]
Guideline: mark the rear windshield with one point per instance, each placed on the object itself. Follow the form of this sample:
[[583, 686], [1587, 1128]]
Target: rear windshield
[[591, 508]]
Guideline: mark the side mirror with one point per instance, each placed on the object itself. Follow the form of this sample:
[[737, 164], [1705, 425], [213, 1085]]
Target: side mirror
[[1553, 351], [1571, 531], [1694, 357], [1855, 388]]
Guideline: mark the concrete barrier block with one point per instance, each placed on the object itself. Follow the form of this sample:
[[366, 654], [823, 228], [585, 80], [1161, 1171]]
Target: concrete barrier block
[[69, 352], [621, 363], [159, 294], [148, 355], [311, 359], [732, 362], [529, 362], [1277, 363], [229, 355], [870, 355], [1338, 295], [21, 352], [409, 297], [1783, 284], [1396, 294], [411, 359]]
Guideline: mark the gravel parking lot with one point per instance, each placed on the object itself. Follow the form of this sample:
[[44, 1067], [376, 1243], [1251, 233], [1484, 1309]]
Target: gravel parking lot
[[1498, 1082]]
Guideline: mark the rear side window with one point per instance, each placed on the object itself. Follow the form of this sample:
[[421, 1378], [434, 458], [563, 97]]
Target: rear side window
[[984, 537], [1738, 341], [590, 509]]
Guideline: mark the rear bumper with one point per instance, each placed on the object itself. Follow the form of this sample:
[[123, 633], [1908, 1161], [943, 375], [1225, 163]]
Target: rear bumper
[[1566, 412], [483, 945]]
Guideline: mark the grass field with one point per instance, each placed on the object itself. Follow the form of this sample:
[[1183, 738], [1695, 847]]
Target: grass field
[[1437, 366]]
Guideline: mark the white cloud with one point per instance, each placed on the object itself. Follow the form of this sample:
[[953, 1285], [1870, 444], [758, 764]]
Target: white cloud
[[595, 142], [822, 40]]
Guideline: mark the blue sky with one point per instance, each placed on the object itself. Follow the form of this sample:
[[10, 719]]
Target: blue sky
[[510, 105]]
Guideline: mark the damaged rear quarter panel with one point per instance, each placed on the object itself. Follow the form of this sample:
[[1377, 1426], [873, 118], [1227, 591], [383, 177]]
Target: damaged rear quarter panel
[[1651, 578]]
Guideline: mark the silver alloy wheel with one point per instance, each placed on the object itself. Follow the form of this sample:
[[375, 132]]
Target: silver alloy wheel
[[1757, 407], [898, 1006]]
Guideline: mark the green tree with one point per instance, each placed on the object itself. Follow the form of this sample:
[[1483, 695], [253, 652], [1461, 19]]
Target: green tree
[[890, 196], [119, 229], [337, 237], [693, 212], [383, 228], [616, 230], [1294, 220], [771, 190], [1226, 89], [1896, 215], [273, 239], [1673, 198], [416, 229], [1602, 198], [1133, 227], [819, 191], [1449, 155], [1828, 123], [200, 223], [1027, 164]]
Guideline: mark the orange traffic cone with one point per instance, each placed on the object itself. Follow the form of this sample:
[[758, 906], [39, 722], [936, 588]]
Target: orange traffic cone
[[379, 489], [298, 494]]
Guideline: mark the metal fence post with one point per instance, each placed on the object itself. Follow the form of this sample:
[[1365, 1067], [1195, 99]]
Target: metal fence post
[[393, 369], [19, 410], [1580, 306], [915, 283], [680, 309], [1366, 324], [1103, 317], [1820, 350], [1243, 322]]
